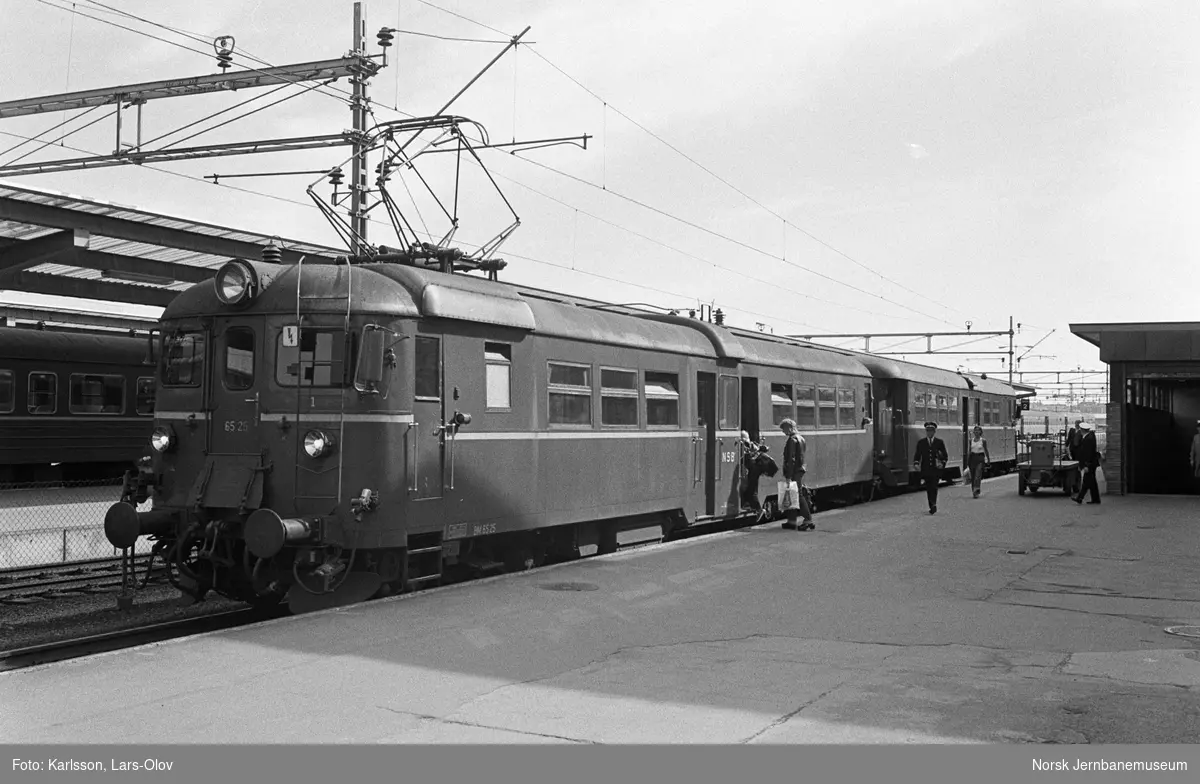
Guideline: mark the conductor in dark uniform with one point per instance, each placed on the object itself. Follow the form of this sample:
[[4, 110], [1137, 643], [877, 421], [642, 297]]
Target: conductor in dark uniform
[[930, 459], [1089, 459]]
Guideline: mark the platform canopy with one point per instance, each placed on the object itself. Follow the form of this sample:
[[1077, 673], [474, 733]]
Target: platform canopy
[[71, 246], [1157, 341]]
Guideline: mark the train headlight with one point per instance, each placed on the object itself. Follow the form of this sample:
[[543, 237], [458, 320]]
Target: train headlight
[[235, 283], [317, 443], [162, 439]]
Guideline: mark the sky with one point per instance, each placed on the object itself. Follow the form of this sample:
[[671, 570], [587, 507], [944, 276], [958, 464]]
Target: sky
[[812, 167]]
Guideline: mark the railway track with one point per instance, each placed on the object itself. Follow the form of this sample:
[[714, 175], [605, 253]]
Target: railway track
[[102, 575], [20, 658]]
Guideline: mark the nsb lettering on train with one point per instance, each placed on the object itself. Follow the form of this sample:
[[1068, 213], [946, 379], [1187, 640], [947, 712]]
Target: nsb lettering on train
[[328, 432]]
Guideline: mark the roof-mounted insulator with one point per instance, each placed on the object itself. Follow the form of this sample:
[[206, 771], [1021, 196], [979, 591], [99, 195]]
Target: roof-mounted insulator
[[719, 317], [272, 253]]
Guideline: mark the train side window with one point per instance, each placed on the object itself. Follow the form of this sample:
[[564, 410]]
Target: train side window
[[427, 361], [953, 404], [919, 407], [987, 412], [729, 403], [806, 408], [145, 396], [975, 410], [318, 361], [43, 393], [91, 393], [662, 399], [826, 407], [239, 358], [781, 402], [497, 359], [847, 409], [570, 394], [618, 397], [943, 414], [7, 391], [183, 363]]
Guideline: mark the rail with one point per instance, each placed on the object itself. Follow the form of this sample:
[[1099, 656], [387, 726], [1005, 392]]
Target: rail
[[100, 575]]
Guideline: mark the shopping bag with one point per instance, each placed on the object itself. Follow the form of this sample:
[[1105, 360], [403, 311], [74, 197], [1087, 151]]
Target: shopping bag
[[1101, 483], [788, 495]]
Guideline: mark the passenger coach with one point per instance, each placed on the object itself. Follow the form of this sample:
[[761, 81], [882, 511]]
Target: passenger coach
[[908, 395], [73, 406]]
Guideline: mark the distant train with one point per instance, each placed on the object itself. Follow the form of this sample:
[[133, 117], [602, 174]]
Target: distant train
[[330, 432], [73, 406]]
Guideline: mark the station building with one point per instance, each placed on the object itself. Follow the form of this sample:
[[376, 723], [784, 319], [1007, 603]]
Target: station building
[[1154, 403]]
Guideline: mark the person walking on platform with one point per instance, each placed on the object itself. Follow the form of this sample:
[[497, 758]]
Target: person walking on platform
[[930, 459], [978, 458], [1073, 437], [1089, 460], [794, 469]]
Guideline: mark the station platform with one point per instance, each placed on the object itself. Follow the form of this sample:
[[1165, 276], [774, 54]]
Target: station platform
[[1002, 619]]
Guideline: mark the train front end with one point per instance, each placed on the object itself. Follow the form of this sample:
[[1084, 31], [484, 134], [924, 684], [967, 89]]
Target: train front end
[[274, 433]]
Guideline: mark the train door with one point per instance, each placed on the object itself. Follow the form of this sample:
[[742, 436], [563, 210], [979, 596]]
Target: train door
[[425, 442], [904, 395], [729, 427], [705, 440], [234, 464], [966, 429], [750, 423], [234, 395]]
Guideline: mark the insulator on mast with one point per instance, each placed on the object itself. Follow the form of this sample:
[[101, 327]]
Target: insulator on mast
[[224, 49]]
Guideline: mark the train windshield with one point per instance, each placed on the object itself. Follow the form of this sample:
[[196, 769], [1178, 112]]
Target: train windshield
[[183, 359], [312, 358]]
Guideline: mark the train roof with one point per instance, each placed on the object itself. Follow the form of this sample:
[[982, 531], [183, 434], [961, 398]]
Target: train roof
[[884, 367], [992, 386], [782, 352], [78, 348]]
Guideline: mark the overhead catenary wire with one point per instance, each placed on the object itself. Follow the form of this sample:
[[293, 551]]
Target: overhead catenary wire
[[629, 199], [607, 105]]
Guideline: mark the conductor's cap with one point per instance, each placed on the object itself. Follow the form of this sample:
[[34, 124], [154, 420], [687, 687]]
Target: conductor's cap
[[931, 424]]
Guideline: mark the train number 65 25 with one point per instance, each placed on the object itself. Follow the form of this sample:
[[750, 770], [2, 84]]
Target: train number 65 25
[[236, 426]]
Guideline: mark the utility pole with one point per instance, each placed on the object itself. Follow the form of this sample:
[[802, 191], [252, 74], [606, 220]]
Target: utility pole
[[1010, 349], [358, 166]]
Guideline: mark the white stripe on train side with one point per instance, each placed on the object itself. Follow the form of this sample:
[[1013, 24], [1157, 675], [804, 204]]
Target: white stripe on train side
[[333, 416]]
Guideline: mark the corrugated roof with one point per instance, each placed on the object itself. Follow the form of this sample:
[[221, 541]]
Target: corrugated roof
[[28, 214]]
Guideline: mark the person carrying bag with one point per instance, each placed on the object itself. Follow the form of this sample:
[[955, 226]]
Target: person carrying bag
[[792, 500]]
